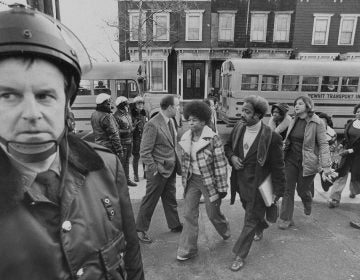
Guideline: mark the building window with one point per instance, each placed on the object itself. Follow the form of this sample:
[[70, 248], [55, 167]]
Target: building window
[[157, 75], [347, 29], [226, 25], [161, 26], [134, 24], [321, 29], [282, 27], [258, 26], [194, 20]]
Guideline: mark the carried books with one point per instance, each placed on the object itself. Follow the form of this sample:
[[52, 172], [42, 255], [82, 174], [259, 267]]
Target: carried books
[[266, 191]]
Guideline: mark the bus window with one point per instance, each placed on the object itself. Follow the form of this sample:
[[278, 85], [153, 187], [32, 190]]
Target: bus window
[[133, 89], [249, 82], [121, 89], [290, 83], [270, 83], [349, 84], [101, 86], [329, 84], [310, 83], [85, 87]]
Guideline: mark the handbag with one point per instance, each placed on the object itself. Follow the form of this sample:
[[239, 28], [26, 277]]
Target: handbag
[[272, 213]]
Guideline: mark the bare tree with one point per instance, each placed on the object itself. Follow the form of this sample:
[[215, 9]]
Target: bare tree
[[146, 11]]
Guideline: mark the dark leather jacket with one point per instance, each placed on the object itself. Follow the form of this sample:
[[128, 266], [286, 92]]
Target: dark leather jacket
[[93, 236], [125, 126], [105, 131]]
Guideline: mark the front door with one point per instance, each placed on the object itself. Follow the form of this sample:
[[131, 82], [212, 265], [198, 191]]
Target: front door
[[193, 80]]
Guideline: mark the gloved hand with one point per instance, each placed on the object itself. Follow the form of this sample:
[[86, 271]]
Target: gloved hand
[[222, 195]]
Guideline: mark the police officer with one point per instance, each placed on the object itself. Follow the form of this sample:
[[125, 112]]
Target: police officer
[[125, 126], [65, 211], [139, 118]]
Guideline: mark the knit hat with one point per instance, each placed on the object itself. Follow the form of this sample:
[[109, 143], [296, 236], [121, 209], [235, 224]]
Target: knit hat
[[309, 103], [102, 97], [283, 107]]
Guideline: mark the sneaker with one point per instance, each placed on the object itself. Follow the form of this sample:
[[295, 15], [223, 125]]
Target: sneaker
[[352, 195], [131, 183], [334, 203], [307, 207], [136, 178], [285, 224], [258, 236], [179, 228]]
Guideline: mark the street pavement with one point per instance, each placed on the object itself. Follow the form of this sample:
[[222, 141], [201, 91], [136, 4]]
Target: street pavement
[[319, 247]]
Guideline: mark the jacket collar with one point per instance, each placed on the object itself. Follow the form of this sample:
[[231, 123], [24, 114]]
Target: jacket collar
[[206, 134], [80, 155], [264, 141]]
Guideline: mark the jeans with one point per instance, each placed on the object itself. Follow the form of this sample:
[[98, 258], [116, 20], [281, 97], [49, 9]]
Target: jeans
[[190, 232], [295, 180]]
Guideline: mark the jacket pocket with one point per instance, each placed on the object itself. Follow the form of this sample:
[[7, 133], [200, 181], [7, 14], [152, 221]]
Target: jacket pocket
[[112, 258]]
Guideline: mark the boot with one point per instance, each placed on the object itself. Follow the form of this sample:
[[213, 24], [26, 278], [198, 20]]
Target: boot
[[136, 173]]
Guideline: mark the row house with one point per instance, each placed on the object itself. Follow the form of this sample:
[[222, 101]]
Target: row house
[[184, 43], [327, 29]]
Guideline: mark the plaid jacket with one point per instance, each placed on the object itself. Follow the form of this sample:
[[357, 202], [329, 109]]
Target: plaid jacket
[[211, 160]]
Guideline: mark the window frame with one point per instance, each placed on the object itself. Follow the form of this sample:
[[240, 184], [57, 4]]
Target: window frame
[[164, 75], [198, 13], [321, 17], [346, 17], [257, 14], [133, 13], [155, 25], [232, 29], [277, 15]]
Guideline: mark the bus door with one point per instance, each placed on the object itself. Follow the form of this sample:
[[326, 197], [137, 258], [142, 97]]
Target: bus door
[[193, 80]]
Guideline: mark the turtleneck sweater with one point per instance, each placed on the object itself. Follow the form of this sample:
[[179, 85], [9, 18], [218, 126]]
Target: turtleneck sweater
[[249, 136]]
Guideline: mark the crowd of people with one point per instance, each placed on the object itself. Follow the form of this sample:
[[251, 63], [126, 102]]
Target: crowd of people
[[66, 201]]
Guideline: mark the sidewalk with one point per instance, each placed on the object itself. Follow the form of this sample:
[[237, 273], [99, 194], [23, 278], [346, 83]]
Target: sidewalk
[[319, 247]]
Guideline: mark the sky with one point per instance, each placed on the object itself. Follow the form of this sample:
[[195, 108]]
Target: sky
[[86, 19]]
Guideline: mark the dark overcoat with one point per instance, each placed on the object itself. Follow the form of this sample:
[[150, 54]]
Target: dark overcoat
[[269, 159], [350, 162]]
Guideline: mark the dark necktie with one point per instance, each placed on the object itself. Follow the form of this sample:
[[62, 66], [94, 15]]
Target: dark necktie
[[171, 128], [50, 184]]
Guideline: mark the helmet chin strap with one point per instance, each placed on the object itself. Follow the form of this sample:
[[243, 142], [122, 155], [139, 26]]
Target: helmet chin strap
[[32, 152]]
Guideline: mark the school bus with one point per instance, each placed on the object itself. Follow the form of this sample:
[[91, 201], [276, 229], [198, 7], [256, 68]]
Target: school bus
[[333, 86], [117, 79]]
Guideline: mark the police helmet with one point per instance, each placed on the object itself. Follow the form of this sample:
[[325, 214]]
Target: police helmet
[[27, 32], [121, 99]]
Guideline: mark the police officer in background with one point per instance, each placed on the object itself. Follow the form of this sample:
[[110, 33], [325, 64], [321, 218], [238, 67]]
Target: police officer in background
[[125, 127], [65, 211]]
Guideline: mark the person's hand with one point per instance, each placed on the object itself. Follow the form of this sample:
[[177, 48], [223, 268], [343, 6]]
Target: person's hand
[[276, 199], [237, 163], [344, 153]]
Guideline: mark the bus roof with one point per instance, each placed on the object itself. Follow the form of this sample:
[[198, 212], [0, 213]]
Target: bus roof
[[292, 67], [114, 70]]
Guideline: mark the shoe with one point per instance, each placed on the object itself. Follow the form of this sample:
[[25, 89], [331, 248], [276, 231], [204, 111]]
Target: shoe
[[131, 183], [237, 264], [355, 224], [334, 203], [285, 224], [143, 237], [258, 236], [177, 229], [307, 207], [202, 200], [352, 195], [136, 178], [186, 257], [226, 236]]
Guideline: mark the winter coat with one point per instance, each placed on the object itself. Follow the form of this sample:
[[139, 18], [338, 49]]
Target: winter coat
[[125, 126], [269, 159], [105, 131], [315, 151], [139, 119], [282, 127], [211, 160], [350, 162], [90, 235]]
